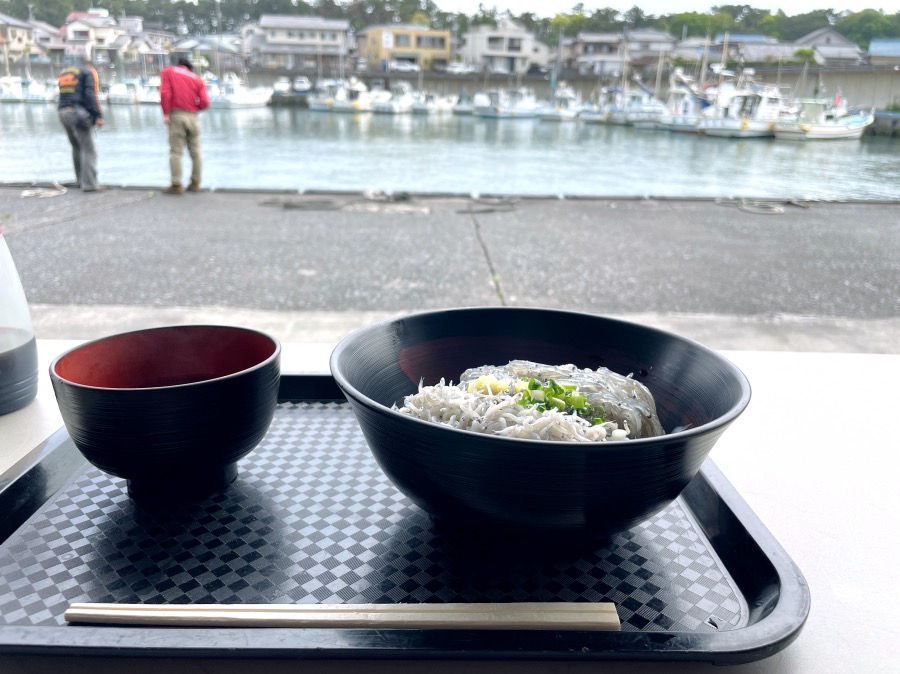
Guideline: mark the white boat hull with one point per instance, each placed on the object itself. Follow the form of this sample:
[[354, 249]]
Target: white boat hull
[[594, 117], [850, 130], [680, 123], [559, 116], [736, 128], [494, 113]]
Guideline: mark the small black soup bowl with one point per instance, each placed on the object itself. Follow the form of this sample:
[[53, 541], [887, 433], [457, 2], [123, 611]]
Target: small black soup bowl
[[170, 409], [539, 490]]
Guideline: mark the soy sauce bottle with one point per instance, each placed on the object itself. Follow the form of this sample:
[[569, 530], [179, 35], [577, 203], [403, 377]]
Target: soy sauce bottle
[[18, 348]]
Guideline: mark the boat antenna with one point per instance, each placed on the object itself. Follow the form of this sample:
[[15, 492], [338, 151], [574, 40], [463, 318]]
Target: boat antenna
[[722, 69], [705, 61]]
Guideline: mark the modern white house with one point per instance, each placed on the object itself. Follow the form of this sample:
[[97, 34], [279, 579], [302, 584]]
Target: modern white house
[[297, 42], [605, 53], [506, 48], [93, 34], [49, 41], [16, 38]]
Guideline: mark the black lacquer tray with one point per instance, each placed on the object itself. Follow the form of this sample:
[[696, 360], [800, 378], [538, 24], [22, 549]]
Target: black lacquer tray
[[312, 519]]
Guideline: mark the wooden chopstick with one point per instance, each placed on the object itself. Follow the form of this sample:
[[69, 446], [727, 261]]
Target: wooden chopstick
[[506, 616]]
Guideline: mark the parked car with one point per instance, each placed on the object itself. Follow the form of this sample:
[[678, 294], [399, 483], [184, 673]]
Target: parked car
[[39, 59], [404, 67], [459, 68]]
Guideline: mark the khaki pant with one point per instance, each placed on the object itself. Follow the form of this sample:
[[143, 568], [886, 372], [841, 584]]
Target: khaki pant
[[184, 128]]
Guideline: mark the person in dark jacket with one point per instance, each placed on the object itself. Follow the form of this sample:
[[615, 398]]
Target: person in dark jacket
[[182, 95], [79, 113]]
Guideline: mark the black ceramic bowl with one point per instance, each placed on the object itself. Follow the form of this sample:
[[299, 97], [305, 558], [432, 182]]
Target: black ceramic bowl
[[170, 409], [577, 491]]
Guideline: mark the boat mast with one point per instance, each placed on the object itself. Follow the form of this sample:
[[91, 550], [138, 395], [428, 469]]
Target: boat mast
[[722, 70], [704, 62], [658, 72]]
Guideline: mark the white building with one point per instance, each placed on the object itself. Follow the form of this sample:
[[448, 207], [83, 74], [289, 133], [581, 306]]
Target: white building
[[49, 40], [298, 42], [504, 48], [93, 34], [605, 53], [16, 38]]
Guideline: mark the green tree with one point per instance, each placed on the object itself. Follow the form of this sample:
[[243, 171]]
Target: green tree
[[699, 25], [636, 18], [604, 21], [805, 55], [793, 27], [484, 16], [861, 27]]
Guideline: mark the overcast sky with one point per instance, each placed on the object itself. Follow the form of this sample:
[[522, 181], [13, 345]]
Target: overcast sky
[[548, 8]]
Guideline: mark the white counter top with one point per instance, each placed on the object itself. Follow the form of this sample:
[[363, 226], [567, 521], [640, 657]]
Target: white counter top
[[813, 455]]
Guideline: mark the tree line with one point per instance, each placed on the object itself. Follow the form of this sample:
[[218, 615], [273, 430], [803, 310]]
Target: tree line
[[205, 17]]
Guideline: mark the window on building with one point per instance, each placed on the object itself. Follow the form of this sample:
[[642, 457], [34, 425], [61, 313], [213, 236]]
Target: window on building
[[292, 35], [430, 42], [81, 35], [514, 44], [495, 43], [401, 40]]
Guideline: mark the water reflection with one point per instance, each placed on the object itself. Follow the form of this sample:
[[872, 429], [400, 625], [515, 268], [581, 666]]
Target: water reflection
[[284, 148]]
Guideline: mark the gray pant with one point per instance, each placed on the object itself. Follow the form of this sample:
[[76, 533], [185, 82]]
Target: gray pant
[[77, 124], [184, 129]]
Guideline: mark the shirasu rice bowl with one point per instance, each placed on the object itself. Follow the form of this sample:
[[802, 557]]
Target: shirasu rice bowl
[[528, 400]]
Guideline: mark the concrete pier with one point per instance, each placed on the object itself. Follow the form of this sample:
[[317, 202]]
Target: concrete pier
[[309, 268]]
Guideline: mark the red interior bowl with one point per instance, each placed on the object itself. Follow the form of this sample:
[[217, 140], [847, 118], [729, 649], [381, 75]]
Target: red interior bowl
[[169, 409]]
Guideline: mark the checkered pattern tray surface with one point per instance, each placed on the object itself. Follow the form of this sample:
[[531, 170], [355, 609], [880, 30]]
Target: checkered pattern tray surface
[[312, 519]]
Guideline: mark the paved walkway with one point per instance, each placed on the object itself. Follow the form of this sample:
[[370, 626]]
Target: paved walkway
[[798, 276]]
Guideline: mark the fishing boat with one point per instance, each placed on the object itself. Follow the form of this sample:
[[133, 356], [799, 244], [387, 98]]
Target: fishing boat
[[645, 112], [627, 104], [231, 93], [464, 105], [564, 106], [519, 103], [124, 92], [684, 105], [14, 89], [819, 119], [597, 111], [398, 100], [743, 111], [322, 98], [351, 96], [429, 103], [149, 94]]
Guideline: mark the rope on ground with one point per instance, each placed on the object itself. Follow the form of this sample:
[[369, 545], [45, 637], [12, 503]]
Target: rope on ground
[[307, 204], [44, 192], [490, 205], [752, 206]]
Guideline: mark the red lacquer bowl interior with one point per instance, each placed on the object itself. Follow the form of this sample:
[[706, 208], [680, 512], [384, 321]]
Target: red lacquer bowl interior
[[165, 357]]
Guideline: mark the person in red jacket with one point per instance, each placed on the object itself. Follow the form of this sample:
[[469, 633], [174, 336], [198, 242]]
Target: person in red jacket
[[182, 95]]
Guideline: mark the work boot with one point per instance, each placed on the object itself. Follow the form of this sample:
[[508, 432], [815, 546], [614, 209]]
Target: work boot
[[174, 188], [193, 187]]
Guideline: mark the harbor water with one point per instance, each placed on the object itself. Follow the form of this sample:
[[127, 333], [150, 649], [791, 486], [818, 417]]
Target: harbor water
[[296, 149]]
